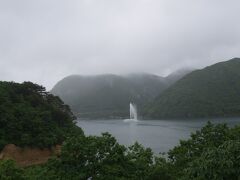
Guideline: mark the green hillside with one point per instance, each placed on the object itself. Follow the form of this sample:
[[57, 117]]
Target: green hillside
[[30, 116], [108, 96], [211, 92]]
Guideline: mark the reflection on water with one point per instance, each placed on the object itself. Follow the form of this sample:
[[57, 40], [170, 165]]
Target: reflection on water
[[160, 135]]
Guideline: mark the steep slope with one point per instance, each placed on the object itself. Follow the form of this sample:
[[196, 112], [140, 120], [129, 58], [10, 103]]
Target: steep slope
[[108, 96], [211, 92]]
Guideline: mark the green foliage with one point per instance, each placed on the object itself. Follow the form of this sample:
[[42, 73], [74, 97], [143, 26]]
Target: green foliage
[[100, 158], [9, 171], [30, 116], [210, 92], [162, 170], [216, 163], [209, 136], [213, 153], [141, 161], [39, 173]]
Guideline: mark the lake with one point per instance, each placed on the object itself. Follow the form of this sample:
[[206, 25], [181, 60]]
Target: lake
[[159, 135]]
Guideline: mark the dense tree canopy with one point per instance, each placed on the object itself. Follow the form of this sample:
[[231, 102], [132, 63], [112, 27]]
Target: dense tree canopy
[[30, 116], [9, 171], [213, 153], [207, 152], [100, 158]]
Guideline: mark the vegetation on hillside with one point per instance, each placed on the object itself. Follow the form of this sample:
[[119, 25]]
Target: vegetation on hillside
[[30, 116], [210, 92], [108, 96], [213, 153]]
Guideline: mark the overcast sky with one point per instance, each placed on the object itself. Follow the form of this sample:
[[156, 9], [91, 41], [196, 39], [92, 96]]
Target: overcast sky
[[45, 40]]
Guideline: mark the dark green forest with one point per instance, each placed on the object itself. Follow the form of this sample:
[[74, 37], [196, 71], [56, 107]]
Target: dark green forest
[[30, 116], [213, 153], [210, 92]]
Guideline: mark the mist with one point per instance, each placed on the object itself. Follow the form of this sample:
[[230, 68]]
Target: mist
[[44, 41]]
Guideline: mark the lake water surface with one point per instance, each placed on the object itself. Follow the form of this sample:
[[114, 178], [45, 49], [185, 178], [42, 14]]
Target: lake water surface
[[160, 135]]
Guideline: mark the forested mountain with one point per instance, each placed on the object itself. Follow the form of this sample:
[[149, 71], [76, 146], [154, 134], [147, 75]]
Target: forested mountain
[[211, 92], [30, 116], [108, 96]]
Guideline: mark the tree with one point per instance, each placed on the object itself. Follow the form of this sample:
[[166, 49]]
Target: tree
[[188, 150], [217, 163], [9, 171], [101, 158], [30, 116]]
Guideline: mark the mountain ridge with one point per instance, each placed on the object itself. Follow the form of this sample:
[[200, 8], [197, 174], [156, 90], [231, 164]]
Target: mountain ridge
[[210, 92]]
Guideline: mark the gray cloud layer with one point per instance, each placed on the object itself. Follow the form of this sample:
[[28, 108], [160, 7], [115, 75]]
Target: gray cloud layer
[[43, 41]]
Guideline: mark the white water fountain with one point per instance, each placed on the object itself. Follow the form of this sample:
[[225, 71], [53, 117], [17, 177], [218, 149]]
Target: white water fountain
[[133, 113]]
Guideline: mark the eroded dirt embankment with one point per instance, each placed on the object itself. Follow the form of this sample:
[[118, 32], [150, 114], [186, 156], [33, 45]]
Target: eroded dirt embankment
[[28, 156]]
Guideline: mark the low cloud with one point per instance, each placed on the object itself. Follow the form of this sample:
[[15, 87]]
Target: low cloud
[[44, 41]]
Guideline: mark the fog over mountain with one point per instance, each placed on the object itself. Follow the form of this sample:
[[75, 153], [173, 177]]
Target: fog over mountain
[[45, 41], [108, 96]]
